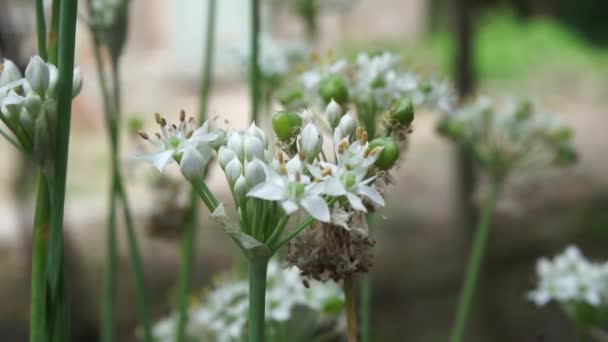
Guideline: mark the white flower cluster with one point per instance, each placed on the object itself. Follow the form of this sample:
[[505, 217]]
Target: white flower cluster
[[28, 103], [382, 78], [515, 135], [569, 278], [222, 314]]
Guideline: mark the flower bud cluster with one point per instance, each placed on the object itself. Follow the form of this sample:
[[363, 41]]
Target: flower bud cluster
[[577, 284], [28, 104], [515, 135], [222, 312]]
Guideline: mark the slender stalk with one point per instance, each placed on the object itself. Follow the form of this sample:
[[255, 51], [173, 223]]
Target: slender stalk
[[38, 287], [351, 312], [67, 42], [474, 263], [53, 32], [257, 298], [140, 288], [366, 296], [41, 29], [188, 239], [254, 69], [582, 334]]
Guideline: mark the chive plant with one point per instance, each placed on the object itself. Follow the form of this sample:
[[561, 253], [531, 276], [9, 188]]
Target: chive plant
[[36, 111], [108, 25], [188, 239], [501, 140]]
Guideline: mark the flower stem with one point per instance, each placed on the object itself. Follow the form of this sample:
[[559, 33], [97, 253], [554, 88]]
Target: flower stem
[[474, 263], [366, 295], [138, 269], [38, 286], [254, 69], [41, 29], [257, 298], [53, 32], [351, 313]]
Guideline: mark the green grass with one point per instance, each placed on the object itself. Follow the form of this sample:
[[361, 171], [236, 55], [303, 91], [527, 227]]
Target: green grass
[[506, 48]]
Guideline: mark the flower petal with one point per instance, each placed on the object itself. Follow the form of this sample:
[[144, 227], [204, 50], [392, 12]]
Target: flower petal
[[333, 187], [267, 191], [355, 202], [371, 193], [316, 207], [159, 159], [289, 206]]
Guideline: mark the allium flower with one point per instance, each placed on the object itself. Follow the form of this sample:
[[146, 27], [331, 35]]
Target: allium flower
[[570, 278], [293, 189], [180, 141], [220, 315]]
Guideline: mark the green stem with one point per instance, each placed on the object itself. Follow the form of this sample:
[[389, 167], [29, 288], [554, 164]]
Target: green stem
[[474, 263], [366, 296], [38, 286], [254, 69], [67, 41], [257, 298], [207, 77], [351, 312], [53, 32], [582, 335], [41, 29], [138, 269]]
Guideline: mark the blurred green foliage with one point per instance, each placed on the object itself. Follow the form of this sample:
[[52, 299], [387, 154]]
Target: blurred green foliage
[[506, 48]]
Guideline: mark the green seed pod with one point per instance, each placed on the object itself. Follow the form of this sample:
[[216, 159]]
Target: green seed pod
[[290, 96], [286, 124], [566, 155], [403, 111], [523, 110], [453, 129], [334, 87], [390, 152], [563, 133]]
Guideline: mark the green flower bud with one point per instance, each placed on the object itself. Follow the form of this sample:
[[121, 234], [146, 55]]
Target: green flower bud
[[563, 133], [390, 152], [286, 124], [334, 87], [426, 87], [377, 83], [403, 111]]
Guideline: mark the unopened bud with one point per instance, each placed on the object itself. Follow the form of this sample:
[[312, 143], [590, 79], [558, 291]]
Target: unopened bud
[[192, 165], [38, 75], [77, 82], [311, 141], [240, 188], [224, 156], [233, 170], [334, 113], [254, 173], [257, 132], [254, 148], [235, 143], [9, 72]]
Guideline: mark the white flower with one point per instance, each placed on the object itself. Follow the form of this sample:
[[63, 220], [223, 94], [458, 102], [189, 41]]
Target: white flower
[[570, 278], [174, 140], [192, 164], [37, 75], [293, 190], [346, 127]]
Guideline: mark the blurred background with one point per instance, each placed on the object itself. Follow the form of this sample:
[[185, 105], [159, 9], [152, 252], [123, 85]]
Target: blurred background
[[553, 50]]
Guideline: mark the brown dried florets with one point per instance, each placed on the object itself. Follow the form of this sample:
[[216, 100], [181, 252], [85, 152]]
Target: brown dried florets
[[329, 251]]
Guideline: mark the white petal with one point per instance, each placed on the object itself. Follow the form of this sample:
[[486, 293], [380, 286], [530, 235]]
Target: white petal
[[289, 206], [192, 165], [355, 202], [159, 160], [316, 207], [333, 187], [370, 193], [267, 191]]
